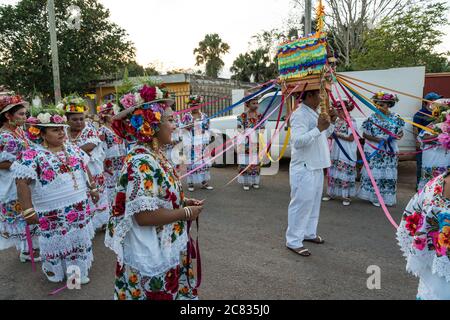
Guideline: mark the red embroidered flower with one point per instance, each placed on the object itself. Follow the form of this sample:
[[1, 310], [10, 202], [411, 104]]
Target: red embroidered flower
[[119, 204], [108, 163], [158, 296], [437, 189], [413, 223], [172, 280], [420, 243]]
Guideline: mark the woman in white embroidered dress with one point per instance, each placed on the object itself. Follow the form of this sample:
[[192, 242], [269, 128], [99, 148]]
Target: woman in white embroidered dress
[[424, 238], [114, 148], [342, 173], [83, 134], [13, 114], [148, 227], [435, 157], [196, 138], [52, 182]]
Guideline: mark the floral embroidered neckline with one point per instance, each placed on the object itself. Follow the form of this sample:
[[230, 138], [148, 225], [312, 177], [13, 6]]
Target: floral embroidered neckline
[[440, 195]]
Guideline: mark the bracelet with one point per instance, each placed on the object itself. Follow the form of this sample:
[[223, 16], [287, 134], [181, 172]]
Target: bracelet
[[187, 213], [94, 190], [30, 215], [28, 211]]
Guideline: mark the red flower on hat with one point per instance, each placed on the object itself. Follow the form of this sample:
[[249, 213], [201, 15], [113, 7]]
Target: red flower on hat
[[148, 93]]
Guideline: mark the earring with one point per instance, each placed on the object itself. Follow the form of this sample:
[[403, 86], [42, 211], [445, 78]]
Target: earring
[[155, 144]]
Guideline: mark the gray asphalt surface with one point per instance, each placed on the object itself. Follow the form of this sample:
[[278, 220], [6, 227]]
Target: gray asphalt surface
[[244, 255]]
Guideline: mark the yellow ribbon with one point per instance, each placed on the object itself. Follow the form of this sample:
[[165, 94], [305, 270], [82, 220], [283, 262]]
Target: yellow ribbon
[[283, 150], [370, 101]]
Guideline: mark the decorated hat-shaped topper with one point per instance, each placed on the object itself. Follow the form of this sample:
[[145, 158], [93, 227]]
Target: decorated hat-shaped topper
[[304, 56], [194, 100], [73, 104], [142, 110], [9, 101]]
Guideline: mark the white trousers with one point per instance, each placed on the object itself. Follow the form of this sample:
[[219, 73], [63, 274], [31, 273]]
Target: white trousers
[[304, 209]]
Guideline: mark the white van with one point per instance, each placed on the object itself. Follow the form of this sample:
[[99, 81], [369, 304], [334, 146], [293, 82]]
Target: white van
[[407, 80]]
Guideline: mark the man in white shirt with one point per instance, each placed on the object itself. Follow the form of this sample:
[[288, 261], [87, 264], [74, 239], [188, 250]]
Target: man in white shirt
[[310, 155]]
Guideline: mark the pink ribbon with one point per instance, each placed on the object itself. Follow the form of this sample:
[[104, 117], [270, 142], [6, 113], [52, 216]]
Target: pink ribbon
[[366, 164], [217, 100], [246, 134], [30, 247]]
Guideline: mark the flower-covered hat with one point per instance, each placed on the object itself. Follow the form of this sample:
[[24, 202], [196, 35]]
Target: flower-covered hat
[[194, 100], [47, 116], [142, 110], [73, 104], [44, 117], [382, 96], [9, 101]]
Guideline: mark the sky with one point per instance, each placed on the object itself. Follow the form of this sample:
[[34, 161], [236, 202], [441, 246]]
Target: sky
[[165, 32]]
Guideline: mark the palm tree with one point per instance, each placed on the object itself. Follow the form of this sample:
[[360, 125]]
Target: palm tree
[[256, 65], [209, 52]]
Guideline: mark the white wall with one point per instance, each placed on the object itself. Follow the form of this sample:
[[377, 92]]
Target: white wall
[[408, 80]]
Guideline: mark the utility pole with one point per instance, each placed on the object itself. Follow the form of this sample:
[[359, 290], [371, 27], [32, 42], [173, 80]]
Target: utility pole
[[54, 48], [308, 13]]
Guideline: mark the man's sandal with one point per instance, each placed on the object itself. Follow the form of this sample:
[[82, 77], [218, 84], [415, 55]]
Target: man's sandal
[[301, 251], [317, 240]]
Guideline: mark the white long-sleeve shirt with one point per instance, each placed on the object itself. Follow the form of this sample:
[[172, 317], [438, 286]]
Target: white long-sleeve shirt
[[309, 146]]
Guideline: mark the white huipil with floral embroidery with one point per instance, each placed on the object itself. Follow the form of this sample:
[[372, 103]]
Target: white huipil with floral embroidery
[[145, 185], [424, 238], [12, 225], [196, 138], [435, 158], [60, 197], [342, 173], [384, 164], [102, 209], [115, 151]]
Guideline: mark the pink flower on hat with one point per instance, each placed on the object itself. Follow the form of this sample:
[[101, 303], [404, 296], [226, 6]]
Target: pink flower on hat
[[58, 119], [128, 101], [32, 120]]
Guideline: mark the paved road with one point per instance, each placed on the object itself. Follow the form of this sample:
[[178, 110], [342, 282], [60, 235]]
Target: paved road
[[243, 253]]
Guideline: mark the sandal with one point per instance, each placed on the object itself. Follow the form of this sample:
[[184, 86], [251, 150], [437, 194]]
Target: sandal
[[301, 251], [317, 240], [207, 187]]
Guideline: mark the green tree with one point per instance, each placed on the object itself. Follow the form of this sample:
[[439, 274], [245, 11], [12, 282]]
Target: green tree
[[98, 48], [209, 53], [136, 70], [257, 65], [409, 39]]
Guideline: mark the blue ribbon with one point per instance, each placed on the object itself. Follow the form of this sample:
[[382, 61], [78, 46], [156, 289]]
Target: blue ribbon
[[370, 106], [243, 100], [270, 104], [369, 157]]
